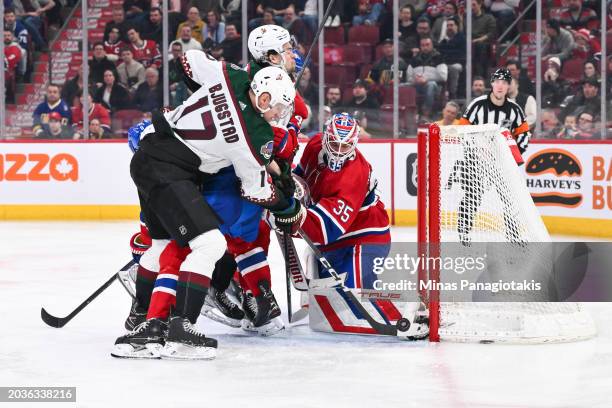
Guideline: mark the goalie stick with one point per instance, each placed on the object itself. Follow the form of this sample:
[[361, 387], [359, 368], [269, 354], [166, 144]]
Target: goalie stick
[[402, 324], [58, 322]]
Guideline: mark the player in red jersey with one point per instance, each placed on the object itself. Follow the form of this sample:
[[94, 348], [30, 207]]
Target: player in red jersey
[[145, 51], [347, 220]]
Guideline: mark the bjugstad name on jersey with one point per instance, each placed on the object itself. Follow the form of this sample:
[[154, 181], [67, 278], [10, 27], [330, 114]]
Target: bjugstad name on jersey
[[221, 107]]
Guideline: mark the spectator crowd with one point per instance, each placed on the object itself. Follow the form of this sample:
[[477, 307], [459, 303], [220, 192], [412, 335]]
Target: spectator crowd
[[124, 68]]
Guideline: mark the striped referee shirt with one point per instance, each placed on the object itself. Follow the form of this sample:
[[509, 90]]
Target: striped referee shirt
[[510, 116]]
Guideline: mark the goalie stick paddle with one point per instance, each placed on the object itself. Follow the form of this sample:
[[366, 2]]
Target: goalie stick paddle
[[402, 325], [59, 322]]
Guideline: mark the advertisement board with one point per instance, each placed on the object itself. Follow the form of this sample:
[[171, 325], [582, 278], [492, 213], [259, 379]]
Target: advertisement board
[[571, 183]]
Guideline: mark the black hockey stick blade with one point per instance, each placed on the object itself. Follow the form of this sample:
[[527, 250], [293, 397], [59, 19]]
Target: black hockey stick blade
[[59, 322], [381, 328]]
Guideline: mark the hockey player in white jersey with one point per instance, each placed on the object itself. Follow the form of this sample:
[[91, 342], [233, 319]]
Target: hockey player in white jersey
[[224, 122]]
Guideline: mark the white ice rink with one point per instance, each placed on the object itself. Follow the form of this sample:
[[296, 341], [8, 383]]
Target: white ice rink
[[59, 264]]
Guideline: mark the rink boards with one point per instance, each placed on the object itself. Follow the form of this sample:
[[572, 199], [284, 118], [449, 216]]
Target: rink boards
[[569, 181]]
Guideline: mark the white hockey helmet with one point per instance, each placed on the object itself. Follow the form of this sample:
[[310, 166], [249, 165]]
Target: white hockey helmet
[[268, 38], [277, 83], [340, 139]]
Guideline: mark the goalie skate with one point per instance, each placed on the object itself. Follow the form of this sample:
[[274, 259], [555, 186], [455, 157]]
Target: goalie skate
[[144, 342], [184, 342], [220, 308]]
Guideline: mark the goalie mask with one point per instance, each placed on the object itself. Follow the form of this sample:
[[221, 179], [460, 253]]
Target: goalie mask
[[270, 38], [340, 140], [277, 83]]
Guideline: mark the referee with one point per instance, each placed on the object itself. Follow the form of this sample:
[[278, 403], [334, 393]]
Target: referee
[[498, 109], [494, 108]]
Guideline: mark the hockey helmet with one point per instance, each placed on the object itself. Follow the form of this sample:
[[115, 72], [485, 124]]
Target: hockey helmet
[[268, 38], [503, 74], [340, 140], [276, 82]]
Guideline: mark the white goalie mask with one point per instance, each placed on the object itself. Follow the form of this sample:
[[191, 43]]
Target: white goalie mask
[[340, 140], [277, 83], [268, 38]]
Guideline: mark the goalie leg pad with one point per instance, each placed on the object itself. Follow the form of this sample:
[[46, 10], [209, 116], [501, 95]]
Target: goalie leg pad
[[357, 261]]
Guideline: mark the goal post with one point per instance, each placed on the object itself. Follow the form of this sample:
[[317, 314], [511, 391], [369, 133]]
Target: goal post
[[471, 191]]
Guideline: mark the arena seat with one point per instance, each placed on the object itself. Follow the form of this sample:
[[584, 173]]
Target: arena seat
[[358, 53], [364, 34], [407, 95], [386, 119], [334, 35], [572, 69]]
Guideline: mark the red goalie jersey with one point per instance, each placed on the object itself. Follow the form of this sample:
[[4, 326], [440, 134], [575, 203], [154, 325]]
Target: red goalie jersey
[[347, 210]]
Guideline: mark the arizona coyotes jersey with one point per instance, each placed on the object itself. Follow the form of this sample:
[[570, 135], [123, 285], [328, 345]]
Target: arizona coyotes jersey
[[219, 124], [347, 210]]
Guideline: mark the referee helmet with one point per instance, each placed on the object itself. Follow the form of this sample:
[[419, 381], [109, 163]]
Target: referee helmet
[[503, 74]]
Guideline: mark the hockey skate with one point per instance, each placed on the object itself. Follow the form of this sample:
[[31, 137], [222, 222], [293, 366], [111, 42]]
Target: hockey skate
[[220, 308], [137, 316], [262, 313], [184, 342], [145, 341]]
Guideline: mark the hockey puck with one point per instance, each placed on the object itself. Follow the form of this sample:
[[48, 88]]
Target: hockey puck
[[403, 324]]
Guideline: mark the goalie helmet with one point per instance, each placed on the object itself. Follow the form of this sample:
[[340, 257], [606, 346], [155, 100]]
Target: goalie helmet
[[268, 38], [276, 82], [340, 140]]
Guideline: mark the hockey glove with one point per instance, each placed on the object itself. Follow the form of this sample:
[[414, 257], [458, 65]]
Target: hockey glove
[[283, 181], [134, 134], [286, 141], [291, 219], [139, 247]]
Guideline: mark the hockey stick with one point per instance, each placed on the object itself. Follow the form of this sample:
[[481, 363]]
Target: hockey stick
[[61, 321], [295, 272], [288, 276], [314, 41], [402, 324]]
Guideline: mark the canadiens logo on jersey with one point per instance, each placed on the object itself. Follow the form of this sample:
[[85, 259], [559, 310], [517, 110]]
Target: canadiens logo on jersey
[[266, 150]]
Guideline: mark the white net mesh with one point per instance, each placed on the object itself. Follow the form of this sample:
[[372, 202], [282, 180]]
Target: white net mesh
[[484, 198]]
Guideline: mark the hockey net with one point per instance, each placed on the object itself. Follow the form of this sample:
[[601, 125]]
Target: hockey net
[[471, 191]]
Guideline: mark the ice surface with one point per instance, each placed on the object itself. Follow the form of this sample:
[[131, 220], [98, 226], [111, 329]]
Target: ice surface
[[59, 264]]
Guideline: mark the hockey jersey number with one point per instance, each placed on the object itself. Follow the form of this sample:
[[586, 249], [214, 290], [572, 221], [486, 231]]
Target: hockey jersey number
[[343, 210], [210, 130]]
